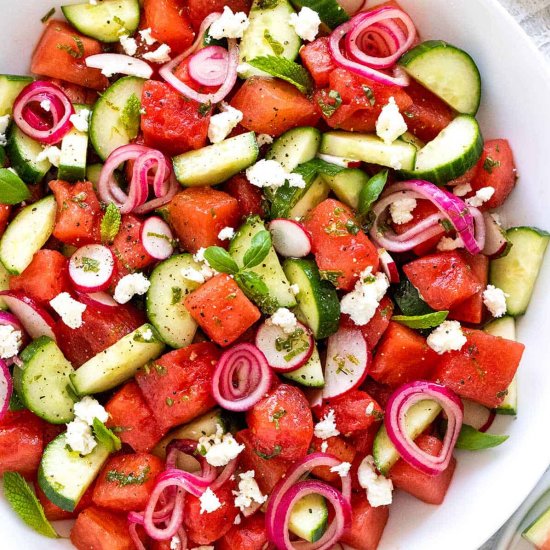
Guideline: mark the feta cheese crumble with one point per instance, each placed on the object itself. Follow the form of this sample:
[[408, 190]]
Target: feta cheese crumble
[[193, 275], [80, 120], [147, 335], [306, 23], [324, 447], [447, 243], [129, 45], [68, 309], [223, 123], [10, 341], [229, 25], [369, 409], [326, 427], [264, 139], [248, 491], [205, 270], [88, 408], [285, 319], [130, 285], [79, 437], [219, 449], [462, 189], [379, 488], [401, 210], [46, 105], [237, 520], [146, 36], [342, 469], [269, 173], [4, 123], [226, 234], [175, 543], [361, 303], [295, 289], [160, 55], [209, 501], [390, 124], [482, 196], [495, 300], [448, 336], [50, 153]]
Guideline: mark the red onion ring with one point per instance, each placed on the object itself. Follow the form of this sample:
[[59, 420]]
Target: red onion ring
[[241, 378], [6, 388], [395, 421], [342, 517], [208, 66], [35, 127], [379, 29]]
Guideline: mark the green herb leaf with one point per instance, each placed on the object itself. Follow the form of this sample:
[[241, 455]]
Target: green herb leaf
[[275, 45], [369, 94], [259, 249], [489, 164], [409, 301], [48, 15], [130, 115], [204, 108], [330, 276], [12, 188], [25, 504], [256, 290], [176, 295], [471, 439], [371, 191], [78, 53], [283, 68], [328, 103], [106, 436], [429, 320], [276, 452], [123, 479], [110, 224], [16, 403], [265, 4], [220, 260], [207, 40]]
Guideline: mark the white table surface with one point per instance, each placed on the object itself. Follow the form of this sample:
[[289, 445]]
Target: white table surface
[[534, 17]]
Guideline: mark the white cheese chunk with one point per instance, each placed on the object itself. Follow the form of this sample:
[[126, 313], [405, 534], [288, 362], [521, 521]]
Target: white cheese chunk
[[326, 427], [68, 309], [10, 341], [80, 120], [482, 196], [448, 336], [379, 489], [285, 319], [229, 25], [130, 285], [50, 153], [223, 123], [129, 44], [401, 210], [160, 55], [248, 491], [219, 449], [495, 300], [209, 502], [390, 124], [89, 408], [79, 437], [306, 23]]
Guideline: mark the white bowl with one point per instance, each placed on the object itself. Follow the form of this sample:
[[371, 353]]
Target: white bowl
[[488, 486]]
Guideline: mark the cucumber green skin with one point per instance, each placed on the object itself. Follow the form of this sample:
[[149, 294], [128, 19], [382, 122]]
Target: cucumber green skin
[[317, 299], [430, 48], [287, 197], [107, 132], [72, 166], [347, 185], [275, 20], [538, 532], [295, 147], [22, 152], [314, 194], [86, 18], [269, 270], [60, 455], [216, 163], [173, 322], [16, 253], [451, 170], [330, 11], [310, 375], [10, 88], [512, 274], [44, 360]]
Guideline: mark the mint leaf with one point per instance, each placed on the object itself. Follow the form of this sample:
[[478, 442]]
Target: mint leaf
[[220, 260], [131, 115], [110, 224], [428, 320], [256, 290], [371, 191], [259, 249], [12, 188], [105, 436], [409, 301], [275, 45], [283, 68], [471, 439], [329, 102], [25, 504]]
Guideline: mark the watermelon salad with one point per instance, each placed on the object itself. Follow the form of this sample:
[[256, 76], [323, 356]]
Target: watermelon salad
[[252, 278]]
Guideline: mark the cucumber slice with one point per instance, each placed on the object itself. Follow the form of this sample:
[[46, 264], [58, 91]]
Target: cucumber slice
[[105, 21], [331, 13], [295, 147], [347, 185], [538, 533], [10, 87], [369, 148], [22, 152], [418, 418], [165, 298], [407, 137], [516, 273], [311, 196], [218, 162], [4, 284], [286, 198], [317, 299], [270, 270], [64, 475], [448, 72], [27, 233], [44, 381], [451, 154], [309, 518], [93, 171], [269, 33], [115, 118], [204, 425], [311, 374], [118, 362], [74, 150]]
